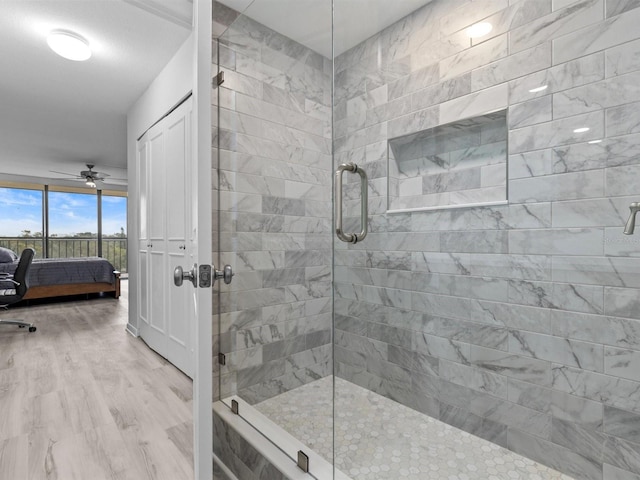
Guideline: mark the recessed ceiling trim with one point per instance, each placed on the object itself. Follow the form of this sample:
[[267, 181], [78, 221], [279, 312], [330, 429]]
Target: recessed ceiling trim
[[180, 16]]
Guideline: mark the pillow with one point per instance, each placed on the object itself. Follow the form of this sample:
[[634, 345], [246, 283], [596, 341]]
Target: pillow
[[7, 256]]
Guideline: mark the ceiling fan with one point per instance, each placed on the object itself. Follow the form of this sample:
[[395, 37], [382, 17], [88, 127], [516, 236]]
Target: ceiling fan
[[90, 176]]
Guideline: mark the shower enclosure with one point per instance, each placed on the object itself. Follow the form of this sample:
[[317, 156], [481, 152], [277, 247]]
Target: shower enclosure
[[474, 311]]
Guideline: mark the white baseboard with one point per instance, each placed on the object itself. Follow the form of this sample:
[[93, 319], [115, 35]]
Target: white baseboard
[[132, 330]]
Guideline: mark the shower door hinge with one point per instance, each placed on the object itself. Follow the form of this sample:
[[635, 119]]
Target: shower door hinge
[[235, 407], [219, 78], [303, 461], [222, 359]]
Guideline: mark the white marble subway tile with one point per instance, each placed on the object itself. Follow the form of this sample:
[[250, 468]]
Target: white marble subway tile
[[622, 59], [521, 317], [416, 80], [623, 120], [609, 33], [474, 378], [581, 156], [511, 365], [556, 24], [618, 244], [538, 110], [531, 267], [436, 262], [534, 294], [252, 184], [513, 66], [557, 133], [569, 74], [484, 288], [622, 180], [617, 392], [612, 472], [240, 202], [488, 241], [483, 195], [622, 302], [467, 15], [569, 241], [238, 82], [260, 71], [616, 7], [566, 186], [587, 356], [578, 298], [607, 93], [570, 408], [284, 98], [414, 122], [474, 57], [609, 271], [389, 111], [529, 395], [595, 212], [519, 12], [531, 164], [441, 92], [494, 175], [474, 104], [614, 331], [622, 363]]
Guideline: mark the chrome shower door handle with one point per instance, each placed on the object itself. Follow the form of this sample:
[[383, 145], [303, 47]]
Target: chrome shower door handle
[[364, 212]]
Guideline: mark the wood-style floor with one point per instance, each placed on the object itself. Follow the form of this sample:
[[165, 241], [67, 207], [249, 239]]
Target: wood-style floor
[[82, 399]]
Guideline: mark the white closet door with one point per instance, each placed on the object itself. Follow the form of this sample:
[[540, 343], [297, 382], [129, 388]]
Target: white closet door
[[179, 329], [167, 328], [143, 236]]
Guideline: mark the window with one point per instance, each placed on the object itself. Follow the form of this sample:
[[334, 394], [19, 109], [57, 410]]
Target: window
[[75, 224], [22, 220]]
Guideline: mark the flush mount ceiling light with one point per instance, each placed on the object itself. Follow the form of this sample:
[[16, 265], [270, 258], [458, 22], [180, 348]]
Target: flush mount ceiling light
[[479, 29], [69, 45], [581, 130], [539, 89]]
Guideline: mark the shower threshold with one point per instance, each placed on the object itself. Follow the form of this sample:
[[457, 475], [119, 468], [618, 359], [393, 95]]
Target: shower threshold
[[378, 438]]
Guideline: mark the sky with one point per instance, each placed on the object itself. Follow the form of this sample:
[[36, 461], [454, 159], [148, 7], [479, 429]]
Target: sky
[[69, 213]]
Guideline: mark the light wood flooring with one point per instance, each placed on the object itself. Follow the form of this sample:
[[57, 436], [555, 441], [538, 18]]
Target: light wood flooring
[[82, 399]]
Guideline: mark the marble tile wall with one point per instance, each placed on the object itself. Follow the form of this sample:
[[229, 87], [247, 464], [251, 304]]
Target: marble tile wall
[[274, 202], [519, 323]]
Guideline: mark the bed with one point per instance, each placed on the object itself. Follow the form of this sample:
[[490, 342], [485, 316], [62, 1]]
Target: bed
[[57, 277]]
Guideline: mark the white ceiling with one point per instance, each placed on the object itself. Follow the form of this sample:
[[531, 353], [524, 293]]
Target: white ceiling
[[309, 21], [58, 114]]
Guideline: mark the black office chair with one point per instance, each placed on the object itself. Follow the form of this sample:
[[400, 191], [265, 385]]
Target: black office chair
[[18, 284]]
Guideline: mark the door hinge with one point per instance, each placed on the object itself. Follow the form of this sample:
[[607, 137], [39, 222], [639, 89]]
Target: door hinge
[[219, 78], [235, 407], [303, 461], [222, 359]]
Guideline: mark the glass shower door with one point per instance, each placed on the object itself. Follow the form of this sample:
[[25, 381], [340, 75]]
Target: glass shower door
[[274, 137]]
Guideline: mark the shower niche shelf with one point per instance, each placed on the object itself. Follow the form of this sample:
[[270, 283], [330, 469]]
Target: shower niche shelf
[[459, 164]]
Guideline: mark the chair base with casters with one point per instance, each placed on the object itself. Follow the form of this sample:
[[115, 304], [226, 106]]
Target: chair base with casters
[[19, 323]]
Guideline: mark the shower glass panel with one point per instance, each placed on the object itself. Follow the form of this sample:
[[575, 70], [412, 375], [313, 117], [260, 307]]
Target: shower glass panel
[[275, 181], [467, 337], [468, 341]]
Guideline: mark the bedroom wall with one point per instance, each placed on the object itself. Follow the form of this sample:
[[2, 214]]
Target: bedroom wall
[[173, 83], [517, 323]]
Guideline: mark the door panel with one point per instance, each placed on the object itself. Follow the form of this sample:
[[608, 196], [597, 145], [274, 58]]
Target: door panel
[[168, 211]]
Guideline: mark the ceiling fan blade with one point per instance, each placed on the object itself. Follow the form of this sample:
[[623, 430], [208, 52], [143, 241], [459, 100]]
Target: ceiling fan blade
[[66, 173]]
